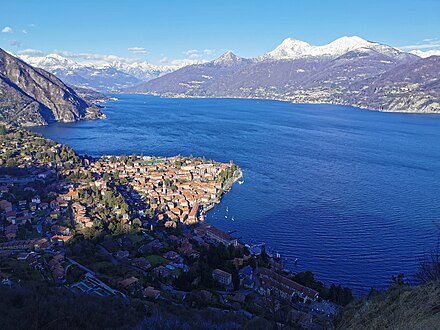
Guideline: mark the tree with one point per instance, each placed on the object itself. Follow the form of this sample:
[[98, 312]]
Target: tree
[[136, 223], [398, 281], [11, 162], [3, 130], [429, 264]]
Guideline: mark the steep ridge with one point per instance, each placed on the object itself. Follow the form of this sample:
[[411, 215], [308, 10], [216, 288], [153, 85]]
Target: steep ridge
[[32, 96]]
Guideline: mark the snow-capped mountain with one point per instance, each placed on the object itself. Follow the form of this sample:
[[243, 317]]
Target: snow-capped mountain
[[428, 53], [51, 61], [295, 49], [109, 77], [349, 71], [142, 70], [229, 59]]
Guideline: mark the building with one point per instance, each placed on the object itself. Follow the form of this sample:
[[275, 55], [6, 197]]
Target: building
[[286, 288], [60, 239], [246, 275], [192, 216], [129, 283], [222, 277], [151, 293], [216, 235]]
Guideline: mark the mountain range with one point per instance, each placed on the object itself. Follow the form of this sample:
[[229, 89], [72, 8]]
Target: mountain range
[[348, 71], [109, 77], [31, 96]]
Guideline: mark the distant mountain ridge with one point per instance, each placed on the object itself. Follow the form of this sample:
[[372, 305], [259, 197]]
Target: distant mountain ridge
[[348, 71], [31, 96], [111, 77]]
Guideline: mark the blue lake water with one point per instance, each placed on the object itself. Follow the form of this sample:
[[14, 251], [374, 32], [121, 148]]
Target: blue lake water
[[354, 194]]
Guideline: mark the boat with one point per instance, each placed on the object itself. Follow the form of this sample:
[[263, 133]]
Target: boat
[[232, 218], [296, 261], [241, 182], [227, 210], [226, 216]]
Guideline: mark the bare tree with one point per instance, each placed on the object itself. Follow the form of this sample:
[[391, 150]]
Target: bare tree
[[429, 264]]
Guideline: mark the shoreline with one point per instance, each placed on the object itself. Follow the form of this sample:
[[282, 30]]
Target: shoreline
[[227, 187], [291, 101]]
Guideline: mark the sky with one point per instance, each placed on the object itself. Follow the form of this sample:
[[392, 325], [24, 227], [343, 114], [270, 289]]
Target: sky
[[169, 31]]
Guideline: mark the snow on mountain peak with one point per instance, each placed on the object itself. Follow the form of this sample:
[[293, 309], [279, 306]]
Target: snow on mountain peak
[[228, 58], [294, 49], [349, 42], [50, 62], [290, 48], [426, 54]]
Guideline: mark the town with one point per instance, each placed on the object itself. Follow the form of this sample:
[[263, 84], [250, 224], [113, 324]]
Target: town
[[133, 227]]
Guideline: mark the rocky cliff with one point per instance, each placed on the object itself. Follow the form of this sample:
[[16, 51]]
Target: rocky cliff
[[31, 96]]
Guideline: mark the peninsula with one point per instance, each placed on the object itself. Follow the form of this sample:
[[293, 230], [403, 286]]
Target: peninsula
[[129, 227]]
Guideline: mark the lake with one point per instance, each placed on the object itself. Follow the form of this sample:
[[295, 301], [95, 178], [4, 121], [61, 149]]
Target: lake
[[353, 194]]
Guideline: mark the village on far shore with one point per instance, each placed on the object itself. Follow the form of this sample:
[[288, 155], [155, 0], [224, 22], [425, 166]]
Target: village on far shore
[[133, 227]]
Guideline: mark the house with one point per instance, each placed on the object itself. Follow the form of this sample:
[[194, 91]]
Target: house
[[192, 216], [3, 190], [238, 297], [70, 195], [246, 276], [171, 255], [60, 230], [60, 239], [162, 271], [222, 277], [142, 263], [36, 200], [11, 231], [22, 220], [151, 293], [5, 205], [170, 224], [11, 216], [58, 273], [122, 254], [41, 243], [55, 261], [129, 283], [285, 287], [43, 206]]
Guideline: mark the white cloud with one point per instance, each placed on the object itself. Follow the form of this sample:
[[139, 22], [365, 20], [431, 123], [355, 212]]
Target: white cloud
[[199, 54], [24, 31], [7, 29], [427, 44], [137, 50], [96, 59], [30, 52], [184, 62], [190, 52]]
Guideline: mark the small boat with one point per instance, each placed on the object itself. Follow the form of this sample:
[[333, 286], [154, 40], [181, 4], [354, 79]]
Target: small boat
[[226, 216], [296, 261], [232, 218], [227, 210], [241, 182]]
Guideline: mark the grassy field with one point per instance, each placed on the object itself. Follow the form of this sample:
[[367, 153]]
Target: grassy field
[[408, 308]]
